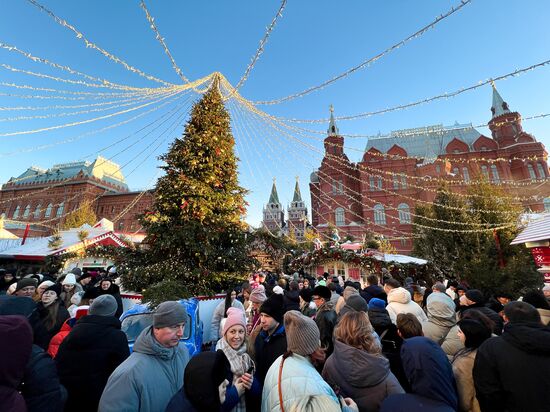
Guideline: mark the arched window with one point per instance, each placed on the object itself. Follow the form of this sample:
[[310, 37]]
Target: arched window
[[380, 182], [494, 172], [27, 211], [485, 172], [542, 172], [48, 210], [16, 212], [60, 210], [466, 174], [37, 211], [547, 204], [395, 182], [339, 216], [531, 171], [379, 214], [404, 213], [372, 185], [456, 171]]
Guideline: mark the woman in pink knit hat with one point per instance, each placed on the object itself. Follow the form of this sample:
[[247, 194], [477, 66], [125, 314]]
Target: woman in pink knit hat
[[233, 345]]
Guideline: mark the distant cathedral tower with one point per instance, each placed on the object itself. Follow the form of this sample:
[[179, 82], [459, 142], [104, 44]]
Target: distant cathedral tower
[[297, 215], [274, 215]]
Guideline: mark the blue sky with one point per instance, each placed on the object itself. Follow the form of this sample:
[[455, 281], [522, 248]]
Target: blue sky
[[312, 42]]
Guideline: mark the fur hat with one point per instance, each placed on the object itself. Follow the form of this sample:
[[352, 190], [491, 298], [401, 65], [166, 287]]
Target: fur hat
[[235, 316], [25, 282], [70, 279], [104, 305], [302, 333], [475, 295], [258, 295], [273, 307], [377, 303], [322, 292], [169, 313]]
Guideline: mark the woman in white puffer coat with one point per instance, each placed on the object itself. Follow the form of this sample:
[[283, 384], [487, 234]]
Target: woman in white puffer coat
[[399, 301]]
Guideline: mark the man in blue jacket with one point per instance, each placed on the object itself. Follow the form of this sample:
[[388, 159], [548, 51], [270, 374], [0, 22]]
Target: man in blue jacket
[[153, 373]]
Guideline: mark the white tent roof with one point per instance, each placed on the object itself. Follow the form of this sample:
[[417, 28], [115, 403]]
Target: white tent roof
[[535, 231], [387, 257]]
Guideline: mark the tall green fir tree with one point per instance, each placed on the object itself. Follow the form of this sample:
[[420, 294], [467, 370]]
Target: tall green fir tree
[[196, 236], [475, 247]]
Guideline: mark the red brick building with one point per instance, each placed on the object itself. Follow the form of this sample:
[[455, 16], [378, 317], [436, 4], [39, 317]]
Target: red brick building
[[40, 195], [379, 193]]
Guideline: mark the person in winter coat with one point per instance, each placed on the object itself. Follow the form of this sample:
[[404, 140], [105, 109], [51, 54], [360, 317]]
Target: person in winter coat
[[348, 291], [107, 286], [373, 290], [399, 301], [292, 297], [293, 376], [307, 307], [511, 370], [440, 309], [233, 345], [474, 299], [357, 366], [153, 373], [42, 390], [433, 386], [220, 313], [355, 303], [325, 318], [51, 310], [70, 288], [206, 379], [6, 280], [25, 287], [15, 305], [472, 333], [537, 299], [379, 316], [15, 346], [452, 344], [271, 341], [93, 349]]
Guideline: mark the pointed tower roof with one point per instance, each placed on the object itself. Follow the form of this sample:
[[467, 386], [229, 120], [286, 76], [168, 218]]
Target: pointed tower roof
[[297, 195], [274, 197], [332, 129], [499, 106]]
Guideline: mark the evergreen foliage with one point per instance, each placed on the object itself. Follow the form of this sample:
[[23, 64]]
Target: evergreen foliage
[[84, 214], [485, 260], [196, 238]]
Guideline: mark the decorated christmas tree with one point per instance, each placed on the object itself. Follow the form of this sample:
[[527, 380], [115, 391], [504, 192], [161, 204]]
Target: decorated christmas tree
[[196, 237]]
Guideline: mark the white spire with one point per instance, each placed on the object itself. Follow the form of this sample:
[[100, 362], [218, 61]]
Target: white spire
[[332, 129]]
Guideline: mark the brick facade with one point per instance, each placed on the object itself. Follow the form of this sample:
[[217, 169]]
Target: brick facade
[[378, 193]]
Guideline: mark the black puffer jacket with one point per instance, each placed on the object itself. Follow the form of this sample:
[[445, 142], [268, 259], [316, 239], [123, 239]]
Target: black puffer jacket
[[88, 355], [511, 372], [41, 388], [62, 316], [374, 291]]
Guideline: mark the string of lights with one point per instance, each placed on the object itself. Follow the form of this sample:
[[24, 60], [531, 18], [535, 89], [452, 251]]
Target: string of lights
[[72, 124], [261, 47], [160, 39], [371, 60], [92, 45], [92, 132], [67, 68]]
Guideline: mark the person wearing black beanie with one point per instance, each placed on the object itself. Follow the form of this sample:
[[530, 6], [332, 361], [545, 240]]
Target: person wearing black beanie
[[273, 307]]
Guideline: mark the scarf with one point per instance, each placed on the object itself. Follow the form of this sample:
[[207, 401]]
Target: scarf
[[240, 362]]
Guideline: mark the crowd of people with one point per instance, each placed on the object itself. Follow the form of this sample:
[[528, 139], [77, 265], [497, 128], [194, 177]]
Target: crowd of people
[[287, 343]]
